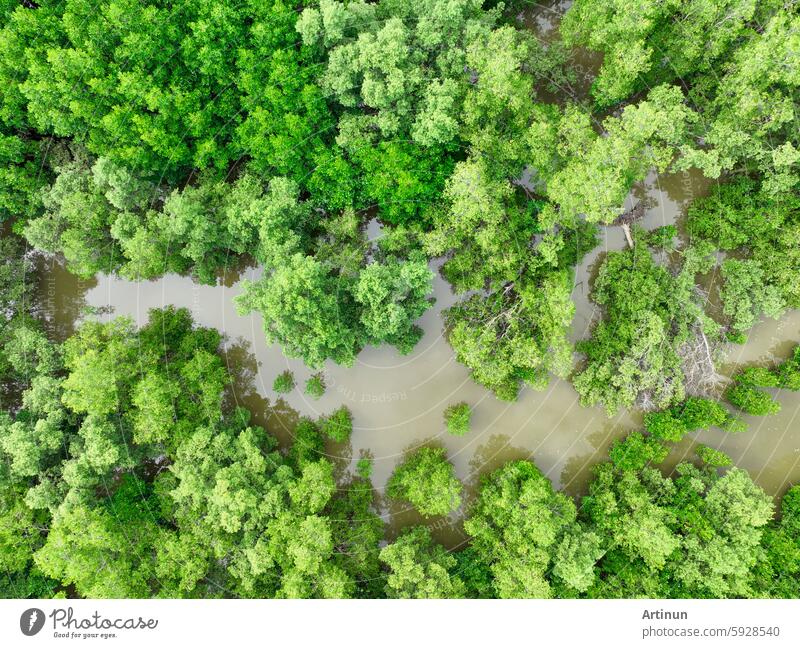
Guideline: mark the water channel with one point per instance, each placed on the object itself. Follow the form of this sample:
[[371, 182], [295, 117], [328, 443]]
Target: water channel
[[397, 401]]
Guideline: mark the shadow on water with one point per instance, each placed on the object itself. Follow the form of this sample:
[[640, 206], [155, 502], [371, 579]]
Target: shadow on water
[[577, 470], [543, 20], [341, 456], [234, 270], [489, 456], [399, 514], [60, 298], [397, 401], [277, 418], [446, 530]]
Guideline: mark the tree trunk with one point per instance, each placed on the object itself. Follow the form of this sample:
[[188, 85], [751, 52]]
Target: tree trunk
[[627, 229]]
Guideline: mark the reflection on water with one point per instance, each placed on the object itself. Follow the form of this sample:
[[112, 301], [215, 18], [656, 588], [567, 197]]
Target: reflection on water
[[59, 299], [543, 19]]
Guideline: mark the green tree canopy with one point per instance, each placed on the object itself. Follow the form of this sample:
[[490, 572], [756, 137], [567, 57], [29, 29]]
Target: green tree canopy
[[634, 354], [420, 568], [427, 481]]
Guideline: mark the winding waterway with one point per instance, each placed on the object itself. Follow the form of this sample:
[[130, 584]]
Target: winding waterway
[[397, 401]]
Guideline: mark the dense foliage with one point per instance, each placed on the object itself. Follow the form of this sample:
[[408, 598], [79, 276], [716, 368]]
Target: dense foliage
[[650, 312], [760, 234], [457, 418], [315, 386], [127, 472], [147, 138], [345, 146], [20, 340], [427, 481], [748, 389]]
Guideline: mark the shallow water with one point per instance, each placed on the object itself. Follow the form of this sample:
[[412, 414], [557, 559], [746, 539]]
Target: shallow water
[[397, 401]]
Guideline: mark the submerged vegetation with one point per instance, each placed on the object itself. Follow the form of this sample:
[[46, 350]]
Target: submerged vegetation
[[146, 138]]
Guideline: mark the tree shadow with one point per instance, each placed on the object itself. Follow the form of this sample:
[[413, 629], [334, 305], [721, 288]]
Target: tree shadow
[[578, 470], [491, 455], [398, 514], [277, 418], [59, 298], [231, 273]]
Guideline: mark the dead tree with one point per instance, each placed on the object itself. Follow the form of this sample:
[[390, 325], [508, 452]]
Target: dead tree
[[626, 219]]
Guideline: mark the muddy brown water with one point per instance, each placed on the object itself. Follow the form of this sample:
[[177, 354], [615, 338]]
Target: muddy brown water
[[397, 401]]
